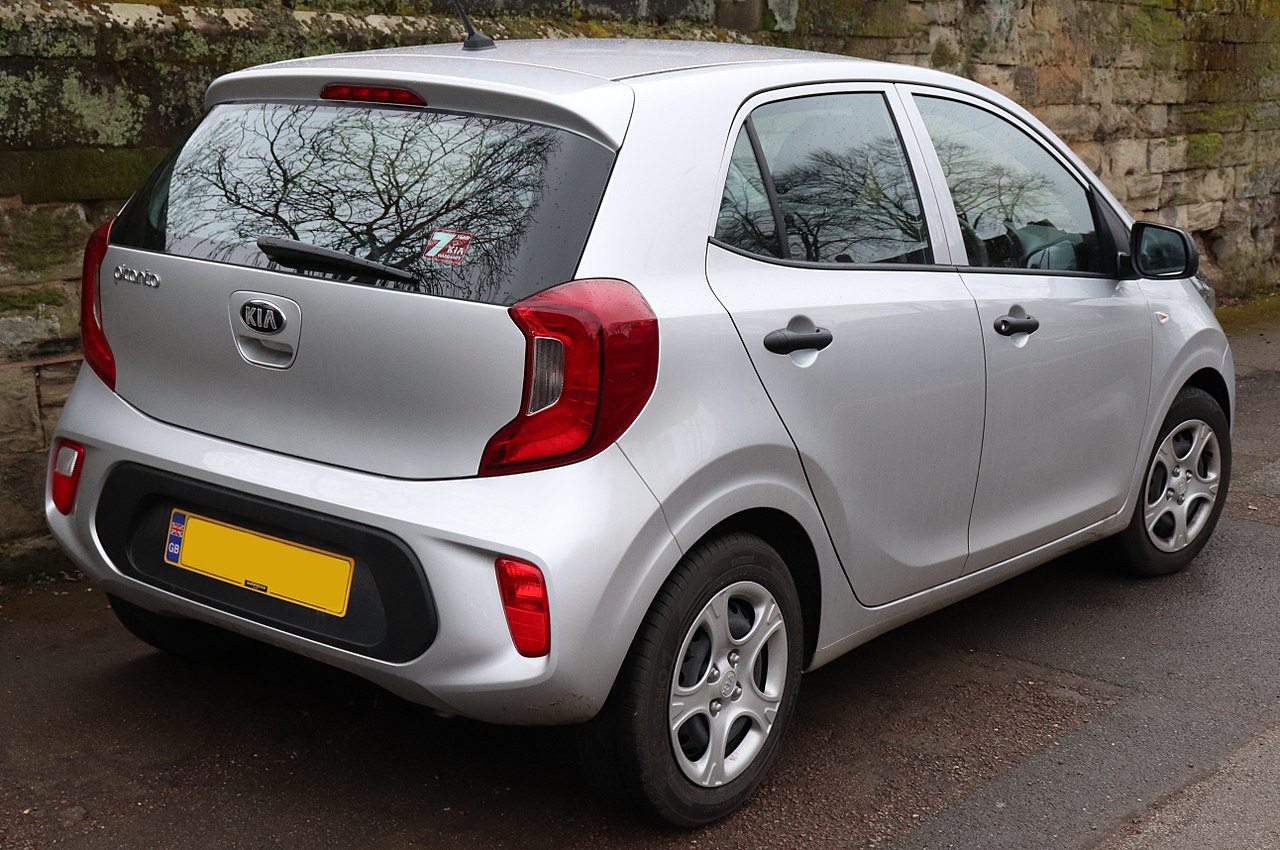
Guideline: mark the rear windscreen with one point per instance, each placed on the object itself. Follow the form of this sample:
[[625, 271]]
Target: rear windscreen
[[473, 207]]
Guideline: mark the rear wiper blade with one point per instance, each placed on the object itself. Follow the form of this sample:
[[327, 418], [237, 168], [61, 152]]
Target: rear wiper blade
[[301, 255]]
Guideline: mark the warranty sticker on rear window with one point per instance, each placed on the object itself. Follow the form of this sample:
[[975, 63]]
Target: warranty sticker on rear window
[[447, 246]]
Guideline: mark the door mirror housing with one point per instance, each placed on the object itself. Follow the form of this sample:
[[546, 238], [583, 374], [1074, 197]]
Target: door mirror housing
[[1159, 252]]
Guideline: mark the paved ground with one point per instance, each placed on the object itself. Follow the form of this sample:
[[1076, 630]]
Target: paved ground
[[1237, 807], [1069, 708]]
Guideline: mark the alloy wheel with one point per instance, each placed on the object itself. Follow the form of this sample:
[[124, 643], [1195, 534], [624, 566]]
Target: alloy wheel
[[1182, 486], [728, 684]]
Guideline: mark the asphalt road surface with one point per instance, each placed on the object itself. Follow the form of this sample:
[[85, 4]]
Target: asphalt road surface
[[1069, 708]]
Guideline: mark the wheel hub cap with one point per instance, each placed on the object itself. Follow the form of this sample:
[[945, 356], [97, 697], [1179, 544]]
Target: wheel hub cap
[[1182, 486], [727, 684]]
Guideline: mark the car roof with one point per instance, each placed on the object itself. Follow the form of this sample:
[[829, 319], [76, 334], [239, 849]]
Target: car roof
[[603, 58], [581, 84], [618, 58]]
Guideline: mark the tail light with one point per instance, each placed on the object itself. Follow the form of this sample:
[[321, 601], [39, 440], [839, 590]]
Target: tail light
[[591, 361], [64, 479], [524, 601], [97, 353]]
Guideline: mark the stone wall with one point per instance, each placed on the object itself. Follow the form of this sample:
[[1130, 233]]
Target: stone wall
[[1172, 102]]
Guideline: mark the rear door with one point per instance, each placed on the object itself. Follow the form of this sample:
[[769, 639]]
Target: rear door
[[404, 373], [1068, 346], [824, 255]]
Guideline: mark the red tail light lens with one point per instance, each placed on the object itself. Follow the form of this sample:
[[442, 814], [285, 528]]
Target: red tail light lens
[[591, 362], [524, 601], [371, 94], [64, 478], [97, 353]]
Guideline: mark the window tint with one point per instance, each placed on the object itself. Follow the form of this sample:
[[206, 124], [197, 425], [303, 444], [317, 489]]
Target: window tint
[[746, 219], [1019, 208], [841, 180], [474, 207]]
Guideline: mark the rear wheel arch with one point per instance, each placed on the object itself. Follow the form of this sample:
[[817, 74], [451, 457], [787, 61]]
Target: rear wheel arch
[[697, 715], [789, 539]]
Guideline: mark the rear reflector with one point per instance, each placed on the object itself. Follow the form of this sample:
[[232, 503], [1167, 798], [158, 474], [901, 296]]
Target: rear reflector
[[371, 94], [64, 480], [524, 601], [93, 340], [591, 362]]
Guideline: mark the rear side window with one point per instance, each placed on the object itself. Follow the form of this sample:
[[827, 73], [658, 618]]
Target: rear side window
[[840, 176], [746, 220], [473, 207]]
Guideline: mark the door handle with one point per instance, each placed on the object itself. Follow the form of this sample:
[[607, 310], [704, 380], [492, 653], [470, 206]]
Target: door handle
[[784, 341], [1010, 325]]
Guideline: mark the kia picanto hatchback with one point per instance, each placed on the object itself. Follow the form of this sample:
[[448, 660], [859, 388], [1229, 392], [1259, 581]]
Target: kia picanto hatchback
[[618, 382]]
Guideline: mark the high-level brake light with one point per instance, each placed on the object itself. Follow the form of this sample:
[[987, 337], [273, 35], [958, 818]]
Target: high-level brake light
[[371, 94]]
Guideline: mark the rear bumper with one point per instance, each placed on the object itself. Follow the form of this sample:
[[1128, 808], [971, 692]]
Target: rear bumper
[[389, 615], [593, 528]]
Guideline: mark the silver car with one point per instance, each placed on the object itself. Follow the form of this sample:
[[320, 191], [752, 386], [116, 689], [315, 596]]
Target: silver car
[[616, 383]]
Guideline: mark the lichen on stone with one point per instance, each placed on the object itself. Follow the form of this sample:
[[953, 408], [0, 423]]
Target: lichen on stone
[[1203, 148], [33, 238], [31, 299]]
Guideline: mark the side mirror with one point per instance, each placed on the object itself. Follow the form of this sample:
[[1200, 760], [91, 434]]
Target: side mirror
[[1159, 252]]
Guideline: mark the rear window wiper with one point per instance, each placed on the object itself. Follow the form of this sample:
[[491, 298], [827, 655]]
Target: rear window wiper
[[303, 256]]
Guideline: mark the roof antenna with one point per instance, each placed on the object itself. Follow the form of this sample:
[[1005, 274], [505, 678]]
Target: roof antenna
[[474, 40]]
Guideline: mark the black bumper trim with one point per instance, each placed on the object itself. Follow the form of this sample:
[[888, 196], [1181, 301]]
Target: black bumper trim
[[390, 616]]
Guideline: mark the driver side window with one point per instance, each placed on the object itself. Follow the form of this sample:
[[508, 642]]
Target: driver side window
[[1019, 208]]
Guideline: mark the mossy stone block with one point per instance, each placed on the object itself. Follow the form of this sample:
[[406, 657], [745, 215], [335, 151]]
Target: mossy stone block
[[21, 429], [861, 18], [1203, 148], [40, 238], [10, 175], [26, 299], [49, 104], [78, 174]]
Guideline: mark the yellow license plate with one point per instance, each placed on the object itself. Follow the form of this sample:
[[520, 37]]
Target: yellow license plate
[[261, 563]]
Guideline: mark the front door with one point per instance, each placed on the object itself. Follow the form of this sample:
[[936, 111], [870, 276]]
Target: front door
[[1068, 347]]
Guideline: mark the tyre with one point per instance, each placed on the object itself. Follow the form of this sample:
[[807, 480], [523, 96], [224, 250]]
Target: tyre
[[189, 639], [699, 710], [1183, 489]]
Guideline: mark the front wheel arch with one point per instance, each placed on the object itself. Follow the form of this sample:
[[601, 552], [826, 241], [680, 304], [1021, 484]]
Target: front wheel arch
[[1212, 382], [1174, 494]]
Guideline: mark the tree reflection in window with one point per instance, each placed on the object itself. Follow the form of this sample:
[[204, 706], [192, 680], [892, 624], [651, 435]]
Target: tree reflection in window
[[1018, 207], [746, 220], [375, 183], [842, 180], [856, 204]]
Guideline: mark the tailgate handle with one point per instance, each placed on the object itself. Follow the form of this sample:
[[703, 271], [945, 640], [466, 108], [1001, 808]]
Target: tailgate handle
[[265, 352], [1010, 325], [785, 341]]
